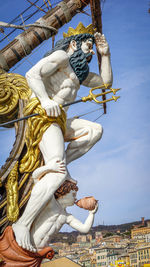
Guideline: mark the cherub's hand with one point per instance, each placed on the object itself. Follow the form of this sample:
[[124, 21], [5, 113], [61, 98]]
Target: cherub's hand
[[101, 44], [52, 108], [95, 209]]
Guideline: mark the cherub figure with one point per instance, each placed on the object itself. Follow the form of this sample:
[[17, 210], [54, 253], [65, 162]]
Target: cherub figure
[[52, 217]]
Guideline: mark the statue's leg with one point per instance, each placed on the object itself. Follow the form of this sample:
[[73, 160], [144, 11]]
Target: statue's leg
[[52, 148], [52, 151], [82, 135]]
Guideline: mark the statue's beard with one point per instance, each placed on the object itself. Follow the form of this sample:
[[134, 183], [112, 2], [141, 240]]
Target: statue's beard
[[79, 63]]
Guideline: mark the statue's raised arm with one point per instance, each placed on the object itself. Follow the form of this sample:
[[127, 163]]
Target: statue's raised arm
[[106, 76]]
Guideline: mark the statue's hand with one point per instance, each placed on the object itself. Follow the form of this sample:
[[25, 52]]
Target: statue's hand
[[52, 108], [95, 209], [101, 44]]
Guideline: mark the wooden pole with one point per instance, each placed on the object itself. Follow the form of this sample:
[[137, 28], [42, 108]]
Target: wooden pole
[[97, 23], [24, 43]]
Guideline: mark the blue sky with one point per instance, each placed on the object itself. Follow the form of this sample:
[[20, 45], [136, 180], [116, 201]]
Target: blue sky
[[115, 171]]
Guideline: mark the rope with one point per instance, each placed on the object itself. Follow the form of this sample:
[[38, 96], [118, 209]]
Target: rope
[[28, 17], [23, 22], [99, 117], [46, 4], [84, 114], [7, 25], [33, 4], [16, 18]]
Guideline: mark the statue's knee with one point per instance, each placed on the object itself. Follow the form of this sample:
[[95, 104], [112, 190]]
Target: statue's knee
[[98, 131], [95, 132]]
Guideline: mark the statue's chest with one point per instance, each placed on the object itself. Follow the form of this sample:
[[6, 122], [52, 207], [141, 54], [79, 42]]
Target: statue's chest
[[56, 220], [64, 77]]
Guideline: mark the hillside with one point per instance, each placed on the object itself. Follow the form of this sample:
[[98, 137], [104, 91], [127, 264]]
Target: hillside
[[71, 236]]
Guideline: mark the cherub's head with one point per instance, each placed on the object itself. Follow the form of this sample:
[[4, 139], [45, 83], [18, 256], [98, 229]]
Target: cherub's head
[[66, 193]]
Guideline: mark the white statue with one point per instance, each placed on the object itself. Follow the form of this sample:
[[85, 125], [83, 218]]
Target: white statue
[[55, 80], [54, 216]]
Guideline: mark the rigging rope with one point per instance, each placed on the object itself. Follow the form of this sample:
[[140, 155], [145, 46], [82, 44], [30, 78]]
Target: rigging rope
[[37, 6], [99, 117], [29, 16], [84, 114]]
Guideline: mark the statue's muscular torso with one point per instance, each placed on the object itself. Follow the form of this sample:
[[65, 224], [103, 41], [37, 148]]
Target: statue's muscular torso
[[49, 222], [58, 78], [63, 85]]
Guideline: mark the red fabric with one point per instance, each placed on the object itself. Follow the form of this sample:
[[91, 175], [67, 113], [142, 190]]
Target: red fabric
[[14, 256]]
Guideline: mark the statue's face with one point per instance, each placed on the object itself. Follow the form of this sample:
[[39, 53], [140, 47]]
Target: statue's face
[[69, 199], [87, 48]]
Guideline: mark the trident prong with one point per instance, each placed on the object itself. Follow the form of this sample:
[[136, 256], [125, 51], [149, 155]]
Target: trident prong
[[115, 98], [94, 97], [115, 90]]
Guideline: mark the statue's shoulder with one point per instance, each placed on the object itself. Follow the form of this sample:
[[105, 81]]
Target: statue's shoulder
[[59, 56]]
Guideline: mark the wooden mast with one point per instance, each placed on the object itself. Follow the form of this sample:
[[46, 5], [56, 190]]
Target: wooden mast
[[24, 43], [97, 23]]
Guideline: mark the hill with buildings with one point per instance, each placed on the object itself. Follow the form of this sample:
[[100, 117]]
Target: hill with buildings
[[107, 230]]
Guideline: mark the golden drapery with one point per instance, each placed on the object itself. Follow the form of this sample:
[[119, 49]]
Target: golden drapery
[[37, 125]]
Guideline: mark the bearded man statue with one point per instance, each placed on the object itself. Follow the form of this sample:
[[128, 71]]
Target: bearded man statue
[[55, 81]]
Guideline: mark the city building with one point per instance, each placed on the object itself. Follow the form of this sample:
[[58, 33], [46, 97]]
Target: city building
[[98, 237], [81, 238], [141, 232], [108, 255], [140, 256], [85, 260]]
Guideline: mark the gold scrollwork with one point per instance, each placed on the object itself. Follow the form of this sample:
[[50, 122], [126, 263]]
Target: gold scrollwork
[[12, 87], [12, 194]]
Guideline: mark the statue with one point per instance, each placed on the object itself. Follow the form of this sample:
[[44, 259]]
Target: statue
[[52, 217], [55, 81]]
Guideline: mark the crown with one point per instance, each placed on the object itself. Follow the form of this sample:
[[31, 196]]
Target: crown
[[79, 30]]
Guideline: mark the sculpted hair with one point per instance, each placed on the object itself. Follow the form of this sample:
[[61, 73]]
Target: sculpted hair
[[65, 188], [63, 44]]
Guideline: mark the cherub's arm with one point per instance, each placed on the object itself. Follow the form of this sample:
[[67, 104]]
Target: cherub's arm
[[106, 76], [79, 226]]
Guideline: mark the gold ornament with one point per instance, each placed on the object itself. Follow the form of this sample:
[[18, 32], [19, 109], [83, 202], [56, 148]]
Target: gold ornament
[[36, 127], [79, 30], [12, 88], [12, 194]]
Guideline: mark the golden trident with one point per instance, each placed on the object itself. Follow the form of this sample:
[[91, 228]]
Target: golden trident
[[90, 97]]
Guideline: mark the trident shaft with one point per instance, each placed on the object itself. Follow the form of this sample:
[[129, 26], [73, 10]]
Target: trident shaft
[[90, 97]]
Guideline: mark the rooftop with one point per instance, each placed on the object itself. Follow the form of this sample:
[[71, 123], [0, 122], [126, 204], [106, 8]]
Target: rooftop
[[63, 262]]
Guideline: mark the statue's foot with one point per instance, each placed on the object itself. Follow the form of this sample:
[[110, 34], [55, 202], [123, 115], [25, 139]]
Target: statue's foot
[[51, 166], [22, 236]]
